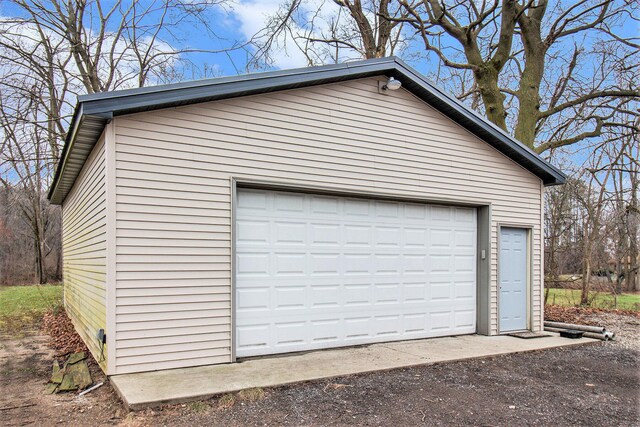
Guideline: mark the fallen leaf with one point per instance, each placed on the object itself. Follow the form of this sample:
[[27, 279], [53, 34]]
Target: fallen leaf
[[64, 338]]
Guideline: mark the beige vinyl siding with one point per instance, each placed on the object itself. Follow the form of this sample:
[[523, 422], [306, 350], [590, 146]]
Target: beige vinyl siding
[[173, 203], [84, 251]]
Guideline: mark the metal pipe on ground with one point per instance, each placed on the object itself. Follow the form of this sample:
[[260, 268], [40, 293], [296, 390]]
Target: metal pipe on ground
[[585, 328], [605, 336]]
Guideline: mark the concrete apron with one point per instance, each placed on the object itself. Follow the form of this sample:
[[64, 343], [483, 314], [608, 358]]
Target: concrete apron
[[152, 389]]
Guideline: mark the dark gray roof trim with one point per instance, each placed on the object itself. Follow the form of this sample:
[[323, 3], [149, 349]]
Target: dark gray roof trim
[[94, 111]]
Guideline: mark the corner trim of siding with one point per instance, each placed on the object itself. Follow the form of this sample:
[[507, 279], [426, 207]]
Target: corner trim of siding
[[110, 176], [541, 272], [232, 297]]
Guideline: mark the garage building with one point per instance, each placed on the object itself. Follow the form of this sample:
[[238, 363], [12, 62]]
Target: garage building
[[208, 221]]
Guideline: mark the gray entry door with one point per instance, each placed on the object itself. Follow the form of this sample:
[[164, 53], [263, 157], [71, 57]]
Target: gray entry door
[[513, 279]]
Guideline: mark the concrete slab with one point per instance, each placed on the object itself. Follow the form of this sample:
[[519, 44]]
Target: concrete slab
[[150, 389]]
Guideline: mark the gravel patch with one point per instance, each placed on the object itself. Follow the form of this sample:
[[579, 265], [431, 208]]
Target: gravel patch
[[588, 385], [627, 328]]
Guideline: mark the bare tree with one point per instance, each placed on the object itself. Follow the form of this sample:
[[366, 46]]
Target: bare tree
[[548, 72], [609, 177], [591, 223], [559, 238], [50, 52], [529, 56], [26, 151], [624, 219], [331, 31]]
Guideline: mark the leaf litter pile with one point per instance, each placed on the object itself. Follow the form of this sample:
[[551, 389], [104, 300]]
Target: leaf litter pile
[[69, 349], [579, 315], [64, 338]]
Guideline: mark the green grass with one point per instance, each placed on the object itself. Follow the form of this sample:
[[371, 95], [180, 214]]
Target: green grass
[[198, 406], [23, 306], [571, 297], [251, 394]]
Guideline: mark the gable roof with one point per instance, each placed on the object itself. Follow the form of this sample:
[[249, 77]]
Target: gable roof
[[94, 111]]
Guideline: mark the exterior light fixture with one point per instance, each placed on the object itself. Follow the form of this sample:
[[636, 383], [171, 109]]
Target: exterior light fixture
[[392, 84]]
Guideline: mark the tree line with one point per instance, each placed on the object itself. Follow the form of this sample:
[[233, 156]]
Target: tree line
[[562, 77]]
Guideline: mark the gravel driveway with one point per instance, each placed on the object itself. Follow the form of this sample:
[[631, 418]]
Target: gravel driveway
[[590, 385]]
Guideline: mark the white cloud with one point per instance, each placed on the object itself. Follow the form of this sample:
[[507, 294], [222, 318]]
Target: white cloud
[[26, 37], [253, 16]]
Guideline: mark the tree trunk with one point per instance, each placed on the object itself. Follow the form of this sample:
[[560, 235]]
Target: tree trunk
[[40, 270], [531, 78], [633, 212], [59, 263], [492, 98], [619, 271], [552, 264], [38, 240], [586, 276]]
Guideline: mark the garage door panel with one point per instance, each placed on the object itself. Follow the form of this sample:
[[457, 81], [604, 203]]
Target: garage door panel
[[356, 264], [288, 333], [464, 319], [464, 291], [464, 239], [253, 299], [289, 233], [387, 264], [324, 264], [465, 215], [415, 293], [464, 264], [356, 208], [325, 234], [327, 206], [288, 202], [252, 232], [415, 238], [252, 264], [315, 271], [289, 264]]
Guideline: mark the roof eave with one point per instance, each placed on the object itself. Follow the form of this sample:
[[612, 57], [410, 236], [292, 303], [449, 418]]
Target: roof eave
[[85, 132], [95, 110]]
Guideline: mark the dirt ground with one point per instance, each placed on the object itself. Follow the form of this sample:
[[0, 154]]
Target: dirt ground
[[591, 385]]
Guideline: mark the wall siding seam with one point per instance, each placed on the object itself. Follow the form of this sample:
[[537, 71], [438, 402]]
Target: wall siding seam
[[111, 275]]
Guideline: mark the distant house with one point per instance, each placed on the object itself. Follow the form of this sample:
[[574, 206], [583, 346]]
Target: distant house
[[294, 210]]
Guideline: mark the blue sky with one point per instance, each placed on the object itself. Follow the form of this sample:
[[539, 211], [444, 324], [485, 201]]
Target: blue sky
[[237, 23], [246, 17]]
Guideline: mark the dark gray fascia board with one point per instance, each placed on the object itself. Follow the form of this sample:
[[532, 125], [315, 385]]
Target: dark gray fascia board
[[72, 139], [129, 101], [233, 79], [104, 106]]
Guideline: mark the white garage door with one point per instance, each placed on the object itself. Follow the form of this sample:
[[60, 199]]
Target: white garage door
[[315, 271]]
